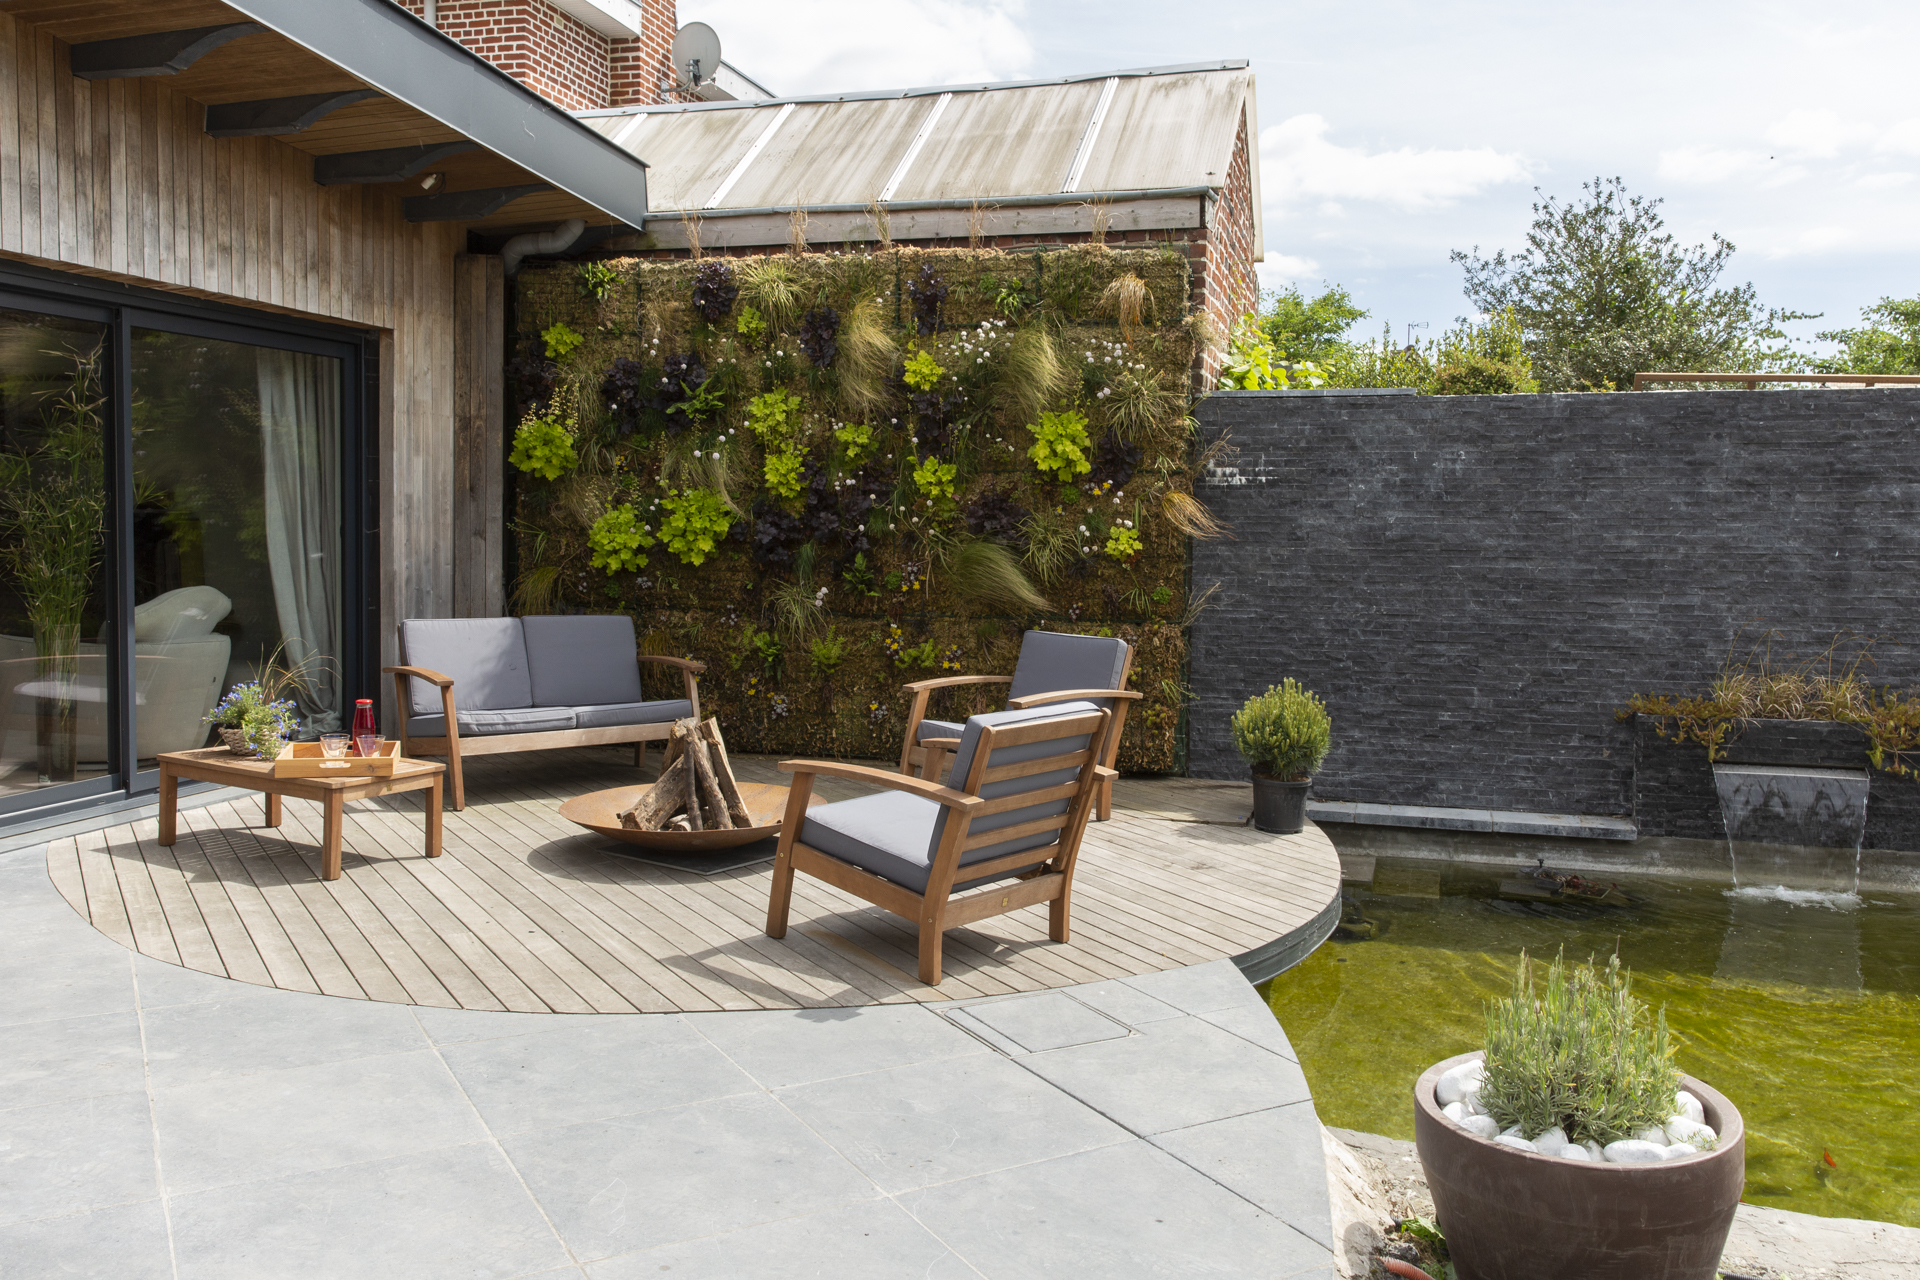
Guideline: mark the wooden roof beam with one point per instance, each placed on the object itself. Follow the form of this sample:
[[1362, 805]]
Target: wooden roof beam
[[269, 117], [465, 206], [161, 53], [390, 164]]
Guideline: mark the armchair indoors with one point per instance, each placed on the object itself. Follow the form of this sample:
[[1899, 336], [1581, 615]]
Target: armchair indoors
[[1053, 667], [1027, 781]]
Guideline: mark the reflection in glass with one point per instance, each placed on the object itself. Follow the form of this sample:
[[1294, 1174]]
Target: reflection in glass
[[236, 452], [53, 504]]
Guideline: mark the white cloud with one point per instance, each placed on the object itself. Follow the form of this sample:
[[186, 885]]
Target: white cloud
[[1710, 165], [1884, 181], [811, 46], [1901, 139], [1818, 135], [1297, 160]]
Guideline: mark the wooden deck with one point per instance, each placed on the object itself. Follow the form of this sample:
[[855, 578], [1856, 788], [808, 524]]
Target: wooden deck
[[528, 912]]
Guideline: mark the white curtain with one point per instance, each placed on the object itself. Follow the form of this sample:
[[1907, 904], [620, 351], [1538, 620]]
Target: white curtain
[[300, 438]]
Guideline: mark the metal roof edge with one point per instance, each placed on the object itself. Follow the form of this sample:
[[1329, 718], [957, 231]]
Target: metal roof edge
[[985, 202], [411, 62], [877, 95]]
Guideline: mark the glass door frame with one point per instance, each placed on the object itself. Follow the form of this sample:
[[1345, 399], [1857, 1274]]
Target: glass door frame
[[122, 309]]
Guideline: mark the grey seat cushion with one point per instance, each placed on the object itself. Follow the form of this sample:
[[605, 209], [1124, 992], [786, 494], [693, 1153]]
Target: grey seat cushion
[[889, 834], [940, 729], [963, 766], [664, 711], [479, 722], [1051, 661], [586, 660], [487, 658]]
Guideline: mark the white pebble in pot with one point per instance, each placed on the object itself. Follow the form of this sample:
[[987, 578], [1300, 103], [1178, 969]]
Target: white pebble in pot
[[1653, 1134], [1550, 1139], [1571, 1152], [1481, 1126], [1687, 1105], [1634, 1151], [1681, 1150], [1517, 1142], [1691, 1132]]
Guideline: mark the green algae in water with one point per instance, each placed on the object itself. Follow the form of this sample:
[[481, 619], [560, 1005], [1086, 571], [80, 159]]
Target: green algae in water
[[1806, 1016]]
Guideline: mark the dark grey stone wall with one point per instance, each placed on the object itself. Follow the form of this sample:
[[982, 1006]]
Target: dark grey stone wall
[[1475, 583]]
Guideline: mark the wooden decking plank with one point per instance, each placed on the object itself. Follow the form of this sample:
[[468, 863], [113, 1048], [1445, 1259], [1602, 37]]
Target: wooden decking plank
[[191, 936], [491, 921], [152, 935], [63, 868], [285, 965], [106, 910]]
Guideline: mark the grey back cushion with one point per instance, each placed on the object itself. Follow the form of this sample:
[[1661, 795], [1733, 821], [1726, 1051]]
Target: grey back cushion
[[1051, 661], [486, 657], [963, 766], [583, 660]]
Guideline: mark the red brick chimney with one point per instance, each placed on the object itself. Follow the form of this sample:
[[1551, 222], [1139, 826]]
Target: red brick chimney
[[579, 54]]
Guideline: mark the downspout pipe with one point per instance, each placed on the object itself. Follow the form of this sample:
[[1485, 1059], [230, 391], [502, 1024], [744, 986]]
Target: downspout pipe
[[558, 240]]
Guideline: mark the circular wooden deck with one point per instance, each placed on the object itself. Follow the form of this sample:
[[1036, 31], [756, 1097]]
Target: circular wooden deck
[[528, 912]]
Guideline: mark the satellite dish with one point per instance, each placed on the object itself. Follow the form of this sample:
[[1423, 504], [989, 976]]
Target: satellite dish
[[696, 54]]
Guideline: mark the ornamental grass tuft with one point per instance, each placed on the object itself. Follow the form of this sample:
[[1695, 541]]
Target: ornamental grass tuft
[[1580, 1051]]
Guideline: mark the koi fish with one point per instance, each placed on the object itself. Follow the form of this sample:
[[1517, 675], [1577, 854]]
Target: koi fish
[[1828, 1157]]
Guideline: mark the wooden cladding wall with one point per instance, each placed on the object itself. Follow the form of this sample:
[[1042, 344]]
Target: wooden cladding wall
[[117, 178]]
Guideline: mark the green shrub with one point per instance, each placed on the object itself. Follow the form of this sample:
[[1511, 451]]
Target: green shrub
[[1284, 733], [617, 538], [561, 340], [696, 521], [543, 446], [1249, 365], [1578, 1051], [934, 478], [773, 417], [922, 371], [1060, 445], [785, 472]]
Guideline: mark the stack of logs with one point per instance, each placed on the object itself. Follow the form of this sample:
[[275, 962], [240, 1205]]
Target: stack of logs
[[696, 790]]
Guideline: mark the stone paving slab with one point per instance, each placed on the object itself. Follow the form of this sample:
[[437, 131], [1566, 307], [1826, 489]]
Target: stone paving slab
[[160, 1123]]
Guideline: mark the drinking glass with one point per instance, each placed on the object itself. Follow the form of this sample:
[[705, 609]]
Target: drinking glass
[[369, 744], [334, 745]]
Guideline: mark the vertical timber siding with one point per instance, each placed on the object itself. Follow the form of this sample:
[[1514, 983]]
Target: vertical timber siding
[[117, 178]]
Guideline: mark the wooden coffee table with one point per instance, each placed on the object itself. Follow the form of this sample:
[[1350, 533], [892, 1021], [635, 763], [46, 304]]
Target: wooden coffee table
[[217, 764]]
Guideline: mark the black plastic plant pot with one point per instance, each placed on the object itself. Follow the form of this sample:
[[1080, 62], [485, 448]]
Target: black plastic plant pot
[[1279, 808], [1513, 1215]]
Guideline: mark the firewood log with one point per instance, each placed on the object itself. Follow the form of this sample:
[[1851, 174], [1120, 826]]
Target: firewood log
[[665, 796], [676, 742], [690, 789], [716, 810], [723, 774]]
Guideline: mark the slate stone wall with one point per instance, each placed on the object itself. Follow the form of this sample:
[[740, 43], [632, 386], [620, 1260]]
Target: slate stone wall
[[1475, 583]]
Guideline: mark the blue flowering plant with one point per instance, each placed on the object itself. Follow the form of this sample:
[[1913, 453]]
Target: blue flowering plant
[[265, 722]]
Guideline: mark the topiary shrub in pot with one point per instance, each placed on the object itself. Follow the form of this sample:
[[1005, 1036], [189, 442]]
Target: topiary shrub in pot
[[1572, 1146], [1284, 734]]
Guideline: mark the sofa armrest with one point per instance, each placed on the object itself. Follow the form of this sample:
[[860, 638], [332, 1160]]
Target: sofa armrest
[[422, 673], [685, 664]]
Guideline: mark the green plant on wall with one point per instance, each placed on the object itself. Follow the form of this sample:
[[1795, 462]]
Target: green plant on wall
[[696, 521], [860, 482], [617, 538], [597, 280], [543, 446], [1060, 445], [561, 340]]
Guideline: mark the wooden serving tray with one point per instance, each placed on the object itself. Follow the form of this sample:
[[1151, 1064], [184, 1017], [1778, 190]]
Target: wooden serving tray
[[306, 760]]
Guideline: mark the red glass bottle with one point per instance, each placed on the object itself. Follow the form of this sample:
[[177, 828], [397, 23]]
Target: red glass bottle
[[365, 736]]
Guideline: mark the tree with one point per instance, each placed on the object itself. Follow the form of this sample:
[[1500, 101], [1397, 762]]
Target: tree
[[1603, 292], [1890, 342], [1304, 330]]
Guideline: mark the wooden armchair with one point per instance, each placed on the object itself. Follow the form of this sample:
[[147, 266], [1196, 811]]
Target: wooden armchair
[[1053, 667], [1027, 786]]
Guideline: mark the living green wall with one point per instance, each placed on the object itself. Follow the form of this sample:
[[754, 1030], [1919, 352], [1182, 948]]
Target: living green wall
[[816, 474]]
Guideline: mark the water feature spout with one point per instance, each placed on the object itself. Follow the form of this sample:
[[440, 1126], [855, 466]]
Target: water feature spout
[[1795, 824]]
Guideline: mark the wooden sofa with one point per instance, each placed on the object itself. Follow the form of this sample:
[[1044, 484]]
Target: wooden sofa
[[477, 686]]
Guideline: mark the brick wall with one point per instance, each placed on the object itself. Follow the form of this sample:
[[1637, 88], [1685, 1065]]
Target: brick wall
[[1475, 583], [561, 58], [1224, 276]]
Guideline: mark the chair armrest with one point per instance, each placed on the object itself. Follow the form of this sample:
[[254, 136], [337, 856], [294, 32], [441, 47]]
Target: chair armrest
[[422, 673], [945, 682], [1068, 695], [945, 744], [685, 664], [1101, 771], [881, 778]]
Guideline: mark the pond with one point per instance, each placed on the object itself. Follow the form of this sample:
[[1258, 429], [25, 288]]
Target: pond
[[1802, 1007]]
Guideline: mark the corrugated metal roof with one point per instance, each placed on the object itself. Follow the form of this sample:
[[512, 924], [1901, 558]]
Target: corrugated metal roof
[[1140, 131]]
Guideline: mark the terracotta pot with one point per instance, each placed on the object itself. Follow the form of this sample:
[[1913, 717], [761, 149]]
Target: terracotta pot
[[1512, 1215], [1279, 808]]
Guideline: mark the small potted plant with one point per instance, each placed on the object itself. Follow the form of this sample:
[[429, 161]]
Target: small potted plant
[[1284, 734], [252, 724], [1572, 1145]]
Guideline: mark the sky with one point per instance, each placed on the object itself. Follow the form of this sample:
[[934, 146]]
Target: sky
[[1394, 133]]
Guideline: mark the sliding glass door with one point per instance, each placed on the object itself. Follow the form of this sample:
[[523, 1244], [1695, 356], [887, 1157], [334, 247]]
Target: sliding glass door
[[184, 507], [54, 502]]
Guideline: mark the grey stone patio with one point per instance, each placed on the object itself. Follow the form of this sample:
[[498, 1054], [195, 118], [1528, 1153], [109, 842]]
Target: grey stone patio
[[158, 1122]]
